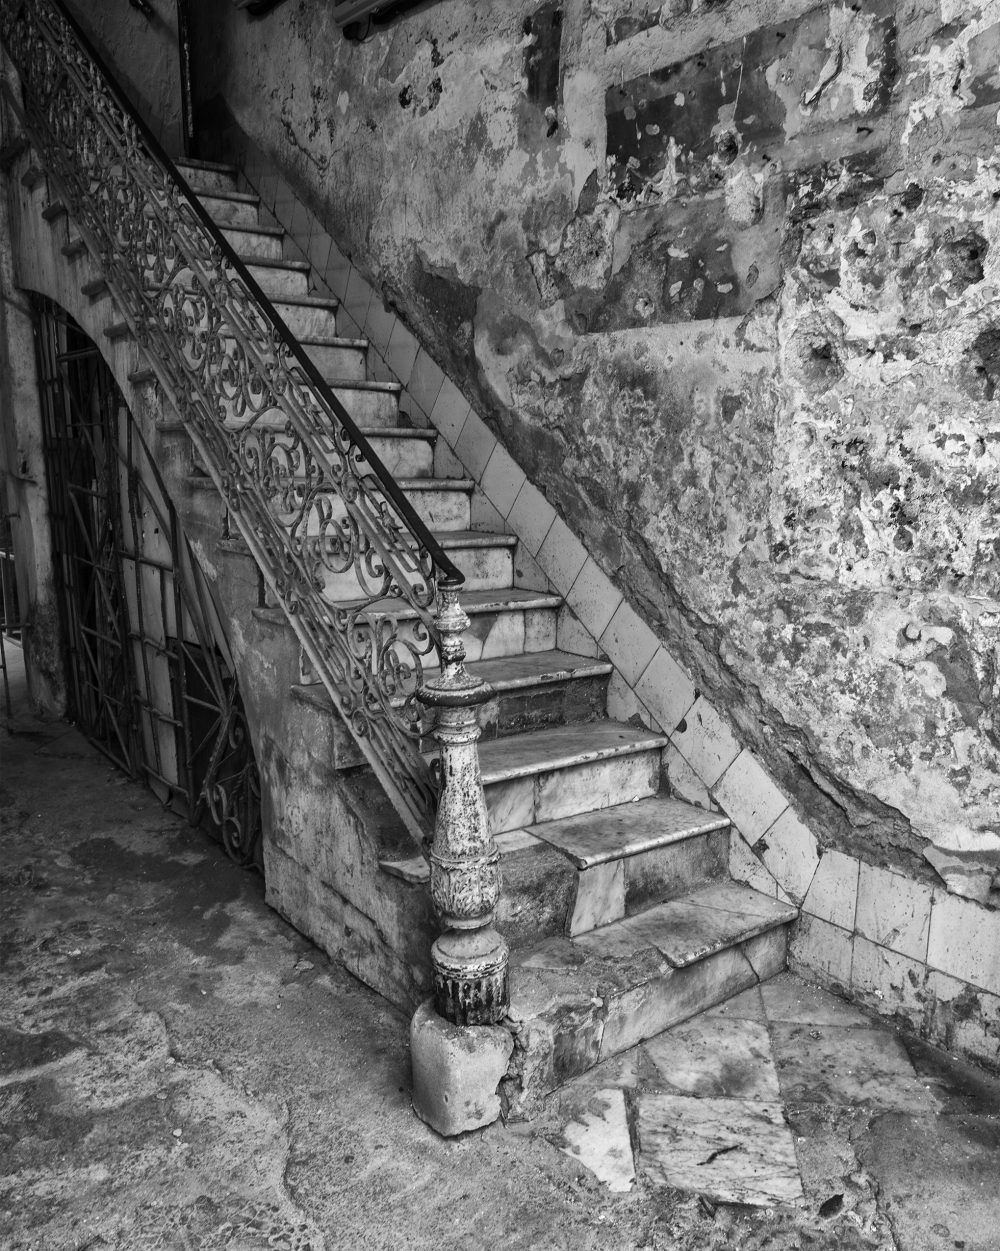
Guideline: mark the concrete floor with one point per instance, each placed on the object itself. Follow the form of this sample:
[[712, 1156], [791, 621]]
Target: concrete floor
[[181, 1069]]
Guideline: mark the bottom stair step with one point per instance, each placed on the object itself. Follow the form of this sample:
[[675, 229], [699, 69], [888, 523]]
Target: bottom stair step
[[576, 1002]]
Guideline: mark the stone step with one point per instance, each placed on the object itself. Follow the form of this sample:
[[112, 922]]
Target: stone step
[[232, 208], [566, 770], [486, 560], [501, 623], [443, 504], [539, 690], [337, 357], [207, 177], [281, 279], [368, 403], [311, 317], [405, 452], [547, 894], [578, 1001], [254, 242]]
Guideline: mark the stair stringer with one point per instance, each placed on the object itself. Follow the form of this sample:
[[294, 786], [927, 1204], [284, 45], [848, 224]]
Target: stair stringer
[[381, 930]]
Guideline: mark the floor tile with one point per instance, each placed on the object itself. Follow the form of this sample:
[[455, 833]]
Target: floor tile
[[787, 998], [731, 1151], [831, 1064], [747, 1006], [715, 1058], [598, 1137]]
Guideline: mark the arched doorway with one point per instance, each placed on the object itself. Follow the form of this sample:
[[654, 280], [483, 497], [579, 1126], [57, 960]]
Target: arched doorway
[[150, 677]]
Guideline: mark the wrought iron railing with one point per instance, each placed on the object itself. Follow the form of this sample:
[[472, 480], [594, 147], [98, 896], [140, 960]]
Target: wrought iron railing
[[302, 483]]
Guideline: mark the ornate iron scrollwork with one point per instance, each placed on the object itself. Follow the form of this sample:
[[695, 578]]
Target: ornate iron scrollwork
[[300, 480]]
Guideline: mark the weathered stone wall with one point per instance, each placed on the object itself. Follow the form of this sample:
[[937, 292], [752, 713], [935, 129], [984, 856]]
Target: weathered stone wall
[[723, 277], [143, 52]]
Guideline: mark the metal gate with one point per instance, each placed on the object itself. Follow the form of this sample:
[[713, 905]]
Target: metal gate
[[149, 673]]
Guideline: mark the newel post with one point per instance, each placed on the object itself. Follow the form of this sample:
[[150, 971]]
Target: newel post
[[470, 957], [458, 1048]]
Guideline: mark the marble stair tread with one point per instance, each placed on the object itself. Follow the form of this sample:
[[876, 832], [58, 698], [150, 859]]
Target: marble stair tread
[[687, 929], [510, 673], [627, 830], [416, 870], [236, 197], [542, 751], [474, 602], [215, 167], [314, 301]]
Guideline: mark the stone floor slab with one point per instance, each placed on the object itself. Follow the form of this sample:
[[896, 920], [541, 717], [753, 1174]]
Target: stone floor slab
[[747, 1006], [598, 1136], [787, 998], [837, 1065], [727, 1149], [711, 1057]]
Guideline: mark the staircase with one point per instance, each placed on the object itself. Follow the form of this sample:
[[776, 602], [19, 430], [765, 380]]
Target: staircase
[[617, 900]]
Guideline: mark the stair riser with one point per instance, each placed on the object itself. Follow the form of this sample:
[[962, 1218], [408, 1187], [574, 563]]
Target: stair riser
[[517, 803], [278, 282], [403, 458], [573, 702], [545, 896], [573, 1037], [653, 877], [307, 322], [485, 569], [440, 510], [491, 635], [205, 181], [252, 246], [370, 408], [230, 212], [339, 363]]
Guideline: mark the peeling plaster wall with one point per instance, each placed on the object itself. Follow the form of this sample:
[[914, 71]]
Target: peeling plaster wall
[[143, 52], [724, 280]]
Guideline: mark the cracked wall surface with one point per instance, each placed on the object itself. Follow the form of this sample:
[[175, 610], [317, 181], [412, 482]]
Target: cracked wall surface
[[723, 279]]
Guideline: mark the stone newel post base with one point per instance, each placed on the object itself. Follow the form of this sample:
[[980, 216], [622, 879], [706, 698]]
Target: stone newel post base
[[456, 1071]]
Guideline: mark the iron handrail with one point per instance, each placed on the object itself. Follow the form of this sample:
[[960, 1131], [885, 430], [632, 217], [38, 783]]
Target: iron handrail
[[413, 519], [221, 350]]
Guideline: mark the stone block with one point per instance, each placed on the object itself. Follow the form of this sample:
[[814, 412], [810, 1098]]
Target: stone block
[[965, 942], [502, 479], [833, 895], [456, 1071], [666, 689], [475, 445], [531, 517], [789, 852], [629, 642], [823, 951], [894, 911], [562, 555], [891, 984], [747, 793], [594, 598], [450, 412], [705, 742]]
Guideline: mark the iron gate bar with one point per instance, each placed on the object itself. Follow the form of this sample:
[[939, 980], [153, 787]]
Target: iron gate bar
[[121, 694]]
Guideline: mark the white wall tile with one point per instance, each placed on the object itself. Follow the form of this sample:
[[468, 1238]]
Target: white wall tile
[[833, 895], [894, 911], [594, 597], [705, 742], [666, 689], [821, 950], [629, 642], [747, 793], [789, 850], [561, 555], [531, 517], [965, 941]]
